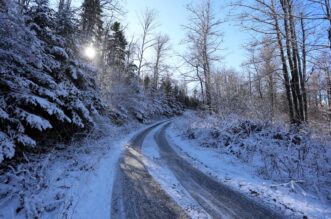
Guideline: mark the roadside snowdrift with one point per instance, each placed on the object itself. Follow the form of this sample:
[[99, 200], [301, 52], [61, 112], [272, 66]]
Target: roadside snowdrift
[[288, 169], [73, 181]]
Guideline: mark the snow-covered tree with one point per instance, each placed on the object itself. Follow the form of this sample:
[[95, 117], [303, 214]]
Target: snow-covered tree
[[91, 21], [46, 92]]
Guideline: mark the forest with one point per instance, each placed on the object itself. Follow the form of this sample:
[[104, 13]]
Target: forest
[[73, 75]]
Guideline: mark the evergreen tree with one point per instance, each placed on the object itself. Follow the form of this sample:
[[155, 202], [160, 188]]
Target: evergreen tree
[[66, 23], [147, 81], [91, 21], [2, 4], [46, 93], [42, 3], [116, 47]]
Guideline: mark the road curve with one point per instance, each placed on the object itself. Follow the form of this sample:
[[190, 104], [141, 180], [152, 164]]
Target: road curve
[[217, 199], [136, 194]]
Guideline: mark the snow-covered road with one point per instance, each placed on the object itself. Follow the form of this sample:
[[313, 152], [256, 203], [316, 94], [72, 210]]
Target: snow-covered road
[[136, 194], [140, 193]]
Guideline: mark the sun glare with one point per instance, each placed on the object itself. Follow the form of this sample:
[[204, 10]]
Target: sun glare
[[90, 52]]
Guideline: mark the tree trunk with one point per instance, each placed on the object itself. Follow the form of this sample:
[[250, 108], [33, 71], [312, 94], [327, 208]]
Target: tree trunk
[[293, 56], [206, 69], [284, 65], [201, 84], [304, 69], [294, 77], [328, 15], [299, 86]]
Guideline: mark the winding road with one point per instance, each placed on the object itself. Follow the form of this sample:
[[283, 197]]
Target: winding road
[[137, 195]]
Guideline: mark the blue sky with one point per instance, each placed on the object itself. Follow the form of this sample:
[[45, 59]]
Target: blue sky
[[172, 15]]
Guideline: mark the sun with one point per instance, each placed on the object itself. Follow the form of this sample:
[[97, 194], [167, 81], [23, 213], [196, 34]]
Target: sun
[[90, 52]]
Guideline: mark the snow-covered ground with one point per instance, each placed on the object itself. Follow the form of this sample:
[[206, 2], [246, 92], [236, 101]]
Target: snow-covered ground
[[289, 196], [158, 168], [77, 181], [71, 182]]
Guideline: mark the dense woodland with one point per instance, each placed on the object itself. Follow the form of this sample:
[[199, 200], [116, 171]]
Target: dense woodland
[[63, 68], [51, 89]]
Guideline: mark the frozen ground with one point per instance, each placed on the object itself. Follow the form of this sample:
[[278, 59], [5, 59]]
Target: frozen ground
[[70, 182], [289, 196]]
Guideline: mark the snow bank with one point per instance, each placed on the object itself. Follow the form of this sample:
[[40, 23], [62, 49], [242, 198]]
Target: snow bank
[[287, 169], [73, 181]]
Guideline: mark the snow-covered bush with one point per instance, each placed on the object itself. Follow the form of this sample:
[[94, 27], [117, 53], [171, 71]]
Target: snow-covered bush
[[144, 108], [130, 99], [275, 151], [46, 92]]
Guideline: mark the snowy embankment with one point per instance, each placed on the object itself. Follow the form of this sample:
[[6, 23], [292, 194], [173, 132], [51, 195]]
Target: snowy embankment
[[158, 168], [289, 172], [69, 182]]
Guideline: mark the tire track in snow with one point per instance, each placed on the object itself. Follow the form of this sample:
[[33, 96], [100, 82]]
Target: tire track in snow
[[136, 194], [158, 168], [217, 199]]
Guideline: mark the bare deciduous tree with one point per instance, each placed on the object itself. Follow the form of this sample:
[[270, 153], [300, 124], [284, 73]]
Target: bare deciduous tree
[[262, 71], [148, 24], [325, 6], [204, 39], [278, 19], [161, 47]]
